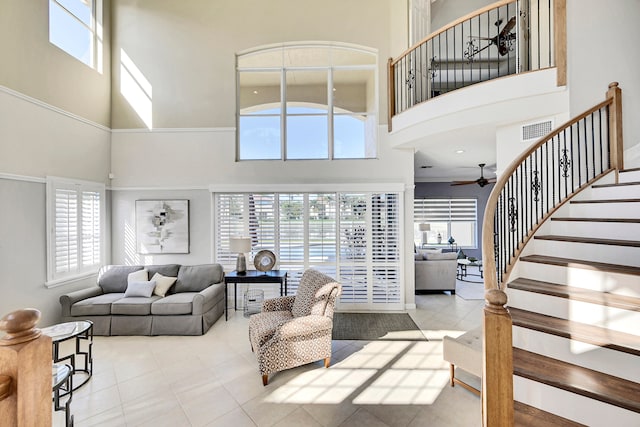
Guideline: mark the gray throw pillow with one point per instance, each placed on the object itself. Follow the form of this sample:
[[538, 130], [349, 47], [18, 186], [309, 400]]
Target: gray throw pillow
[[194, 278], [113, 278]]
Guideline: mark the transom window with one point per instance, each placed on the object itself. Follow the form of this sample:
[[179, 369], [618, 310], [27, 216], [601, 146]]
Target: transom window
[[457, 218], [75, 26], [307, 102]]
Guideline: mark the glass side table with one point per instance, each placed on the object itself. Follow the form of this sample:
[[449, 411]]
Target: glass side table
[[61, 381], [82, 332]]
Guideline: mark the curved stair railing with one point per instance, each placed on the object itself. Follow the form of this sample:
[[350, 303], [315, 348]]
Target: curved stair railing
[[501, 39], [529, 191]]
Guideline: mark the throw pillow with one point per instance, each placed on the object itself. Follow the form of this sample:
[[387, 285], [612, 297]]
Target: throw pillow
[[163, 283], [138, 276], [140, 289]]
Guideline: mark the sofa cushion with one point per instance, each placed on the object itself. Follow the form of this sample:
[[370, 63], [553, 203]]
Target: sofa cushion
[[133, 306], [194, 278], [448, 255], [169, 270], [140, 289], [113, 278], [95, 306], [180, 303], [163, 284]]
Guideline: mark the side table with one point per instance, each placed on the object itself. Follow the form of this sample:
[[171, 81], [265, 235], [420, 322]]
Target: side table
[[80, 331], [252, 277], [62, 381]]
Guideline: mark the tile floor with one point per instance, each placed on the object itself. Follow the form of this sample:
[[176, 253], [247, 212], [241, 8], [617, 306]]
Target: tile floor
[[213, 380]]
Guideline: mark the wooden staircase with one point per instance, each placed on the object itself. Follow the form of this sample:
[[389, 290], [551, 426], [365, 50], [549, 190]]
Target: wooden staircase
[[574, 299]]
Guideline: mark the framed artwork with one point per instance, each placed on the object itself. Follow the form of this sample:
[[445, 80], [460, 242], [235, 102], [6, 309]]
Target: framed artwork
[[162, 226]]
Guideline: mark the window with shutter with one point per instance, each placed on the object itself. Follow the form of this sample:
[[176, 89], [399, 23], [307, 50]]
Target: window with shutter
[[354, 237], [455, 218], [75, 223]]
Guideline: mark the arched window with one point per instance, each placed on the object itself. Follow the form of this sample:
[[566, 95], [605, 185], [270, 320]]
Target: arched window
[[307, 101]]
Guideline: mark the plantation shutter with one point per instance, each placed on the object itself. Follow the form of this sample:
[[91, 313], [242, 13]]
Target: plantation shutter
[[385, 248], [262, 221], [75, 221], [322, 235], [353, 249], [66, 230], [291, 245], [229, 223]]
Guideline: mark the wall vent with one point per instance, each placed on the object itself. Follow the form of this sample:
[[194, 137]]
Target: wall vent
[[536, 130]]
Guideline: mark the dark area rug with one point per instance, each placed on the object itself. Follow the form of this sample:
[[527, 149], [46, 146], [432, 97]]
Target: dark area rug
[[375, 326]]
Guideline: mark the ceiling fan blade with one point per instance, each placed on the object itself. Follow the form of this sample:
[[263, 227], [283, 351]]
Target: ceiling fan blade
[[463, 182], [508, 27]]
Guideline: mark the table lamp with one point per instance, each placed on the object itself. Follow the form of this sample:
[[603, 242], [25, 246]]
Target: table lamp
[[424, 228], [240, 245]]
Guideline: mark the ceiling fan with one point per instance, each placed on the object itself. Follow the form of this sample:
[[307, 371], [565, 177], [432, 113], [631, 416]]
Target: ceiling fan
[[503, 40], [482, 181]]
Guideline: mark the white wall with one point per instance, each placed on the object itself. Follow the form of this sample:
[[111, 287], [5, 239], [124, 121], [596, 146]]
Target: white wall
[[37, 140], [602, 47]]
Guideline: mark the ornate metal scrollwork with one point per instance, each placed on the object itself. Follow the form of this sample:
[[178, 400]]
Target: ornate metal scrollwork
[[565, 163], [513, 214], [535, 186], [411, 80], [433, 68], [471, 51]]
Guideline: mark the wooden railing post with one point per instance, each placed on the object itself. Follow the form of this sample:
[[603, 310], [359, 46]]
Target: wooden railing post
[[615, 127], [25, 371], [497, 362]]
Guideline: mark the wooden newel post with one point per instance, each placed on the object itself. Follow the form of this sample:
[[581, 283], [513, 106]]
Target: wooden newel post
[[497, 360], [25, 371], [615, 127]]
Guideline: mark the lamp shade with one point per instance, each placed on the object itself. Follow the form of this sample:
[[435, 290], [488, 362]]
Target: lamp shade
[[240, 244], [424, 227]]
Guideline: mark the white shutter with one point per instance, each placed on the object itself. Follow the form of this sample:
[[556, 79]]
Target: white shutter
[[75, 221], [66, 230], [291, 244], [262, 221], [385, 248], [229, 222]]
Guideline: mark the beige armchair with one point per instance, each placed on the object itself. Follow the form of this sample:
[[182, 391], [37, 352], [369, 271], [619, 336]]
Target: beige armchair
[[295, 330]]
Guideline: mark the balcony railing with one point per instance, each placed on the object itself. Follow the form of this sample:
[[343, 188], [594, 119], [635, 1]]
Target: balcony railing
[[504, 38]]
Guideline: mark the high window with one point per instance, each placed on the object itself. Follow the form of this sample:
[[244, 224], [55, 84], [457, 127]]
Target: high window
[[352, 236], [75, 26], [457, 218], [307, 102], [75, 229]]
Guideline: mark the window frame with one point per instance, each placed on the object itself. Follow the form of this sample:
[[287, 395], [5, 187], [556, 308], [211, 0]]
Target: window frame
[[95, 31], [331, 110], [53, 184]]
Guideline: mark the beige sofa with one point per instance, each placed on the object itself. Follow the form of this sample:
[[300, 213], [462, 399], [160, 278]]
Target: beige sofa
[[436, 271]]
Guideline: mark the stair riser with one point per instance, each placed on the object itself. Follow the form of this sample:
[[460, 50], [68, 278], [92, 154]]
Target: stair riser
[[602, 230], [605, 210], [633, 176], [623, 255], [612, 362], [581, 409], [621, 284], [593, 314], [617, 192]]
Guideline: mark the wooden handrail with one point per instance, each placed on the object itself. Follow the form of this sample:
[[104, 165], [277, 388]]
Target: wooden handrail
[[466, 17], [497, 379]]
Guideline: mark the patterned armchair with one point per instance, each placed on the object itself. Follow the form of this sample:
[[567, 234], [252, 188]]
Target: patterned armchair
[[295, 330]]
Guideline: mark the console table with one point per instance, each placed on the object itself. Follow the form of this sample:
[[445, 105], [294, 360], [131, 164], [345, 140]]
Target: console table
[[252, 277]]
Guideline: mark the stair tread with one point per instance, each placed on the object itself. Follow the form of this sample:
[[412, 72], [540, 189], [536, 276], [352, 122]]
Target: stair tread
[[590, 334], [630, 170], [576, 379], [623, 220], [530, 416], [619, 184], [578, 263], [578, 294], [605, 201], [592, 240]]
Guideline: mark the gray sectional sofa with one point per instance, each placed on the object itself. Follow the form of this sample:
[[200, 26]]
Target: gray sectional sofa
[[190, 306]]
